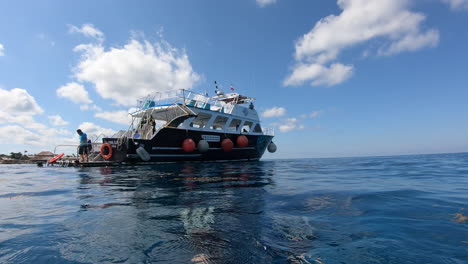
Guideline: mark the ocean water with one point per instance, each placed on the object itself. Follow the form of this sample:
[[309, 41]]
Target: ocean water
[[403, 209]]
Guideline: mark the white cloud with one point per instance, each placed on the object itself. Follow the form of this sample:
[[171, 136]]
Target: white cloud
[[90, 107], [389, 22], [24, 119], [57, 120], [411, 42], [6, 117], [119, 117], [74, 92], [264, 3], [43, 137], [17, 122], [457, 4], [313, 115], [2, 50], [88, 30], [126, 74], [290, 124], [93, 130], [18, 102], [274, 112], [320, 74], [14, 134]]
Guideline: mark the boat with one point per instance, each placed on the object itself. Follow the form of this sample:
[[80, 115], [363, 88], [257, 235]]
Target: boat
[[182, 125]]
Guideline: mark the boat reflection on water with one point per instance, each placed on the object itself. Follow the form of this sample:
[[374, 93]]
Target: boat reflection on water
[[346, 210], [181, 213]]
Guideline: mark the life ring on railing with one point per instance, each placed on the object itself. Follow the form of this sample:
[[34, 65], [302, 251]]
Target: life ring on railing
[[106, 148], [55, 158]]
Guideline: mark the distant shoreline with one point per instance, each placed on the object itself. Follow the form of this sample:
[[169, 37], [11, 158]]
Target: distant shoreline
[[10, 162], [19, 162]]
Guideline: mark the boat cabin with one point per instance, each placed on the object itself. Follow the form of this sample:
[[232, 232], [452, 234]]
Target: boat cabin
[[186, 110]]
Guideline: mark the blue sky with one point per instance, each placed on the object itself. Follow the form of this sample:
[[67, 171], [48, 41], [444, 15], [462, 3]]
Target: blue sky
[[334, 78]]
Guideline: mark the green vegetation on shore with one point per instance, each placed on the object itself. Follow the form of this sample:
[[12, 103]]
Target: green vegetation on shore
[[15, 157]]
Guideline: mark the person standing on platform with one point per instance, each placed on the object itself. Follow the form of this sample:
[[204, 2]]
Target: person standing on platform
[[83, 148]]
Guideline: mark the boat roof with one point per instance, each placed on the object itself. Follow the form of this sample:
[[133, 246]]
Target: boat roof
[[162, 101]]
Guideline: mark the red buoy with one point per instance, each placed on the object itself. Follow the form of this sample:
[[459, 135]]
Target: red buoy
[[188, 145], [242, 141], [227, 145]]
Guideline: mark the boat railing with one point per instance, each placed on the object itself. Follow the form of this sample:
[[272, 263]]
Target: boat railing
[[187, 98], [94, 139], [95, 147], [66, 145]]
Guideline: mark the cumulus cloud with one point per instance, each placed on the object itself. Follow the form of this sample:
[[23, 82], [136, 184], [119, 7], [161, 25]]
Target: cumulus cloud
[[128, 73], [92, 129], [87, 30], [57, 120], [411, 42], [457, 4], [90, 107], [74, 92], [119, 117], [2, 50], [290, 124], [26, 120], [43, 137], [274, 112], [14, 134], [18, 102], [313, 115], [320, 74], [18, 125], [388, 22], [264, 3]]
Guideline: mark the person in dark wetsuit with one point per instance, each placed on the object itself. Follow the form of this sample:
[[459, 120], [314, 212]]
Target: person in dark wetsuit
[[152, 122], [83, 148]]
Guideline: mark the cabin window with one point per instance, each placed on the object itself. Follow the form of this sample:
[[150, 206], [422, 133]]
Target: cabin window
[[257, 129], [247, 126], [219, 123], [234, 125], [201, 120]]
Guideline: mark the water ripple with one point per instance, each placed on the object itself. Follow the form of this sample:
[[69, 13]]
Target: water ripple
[[406, 209]]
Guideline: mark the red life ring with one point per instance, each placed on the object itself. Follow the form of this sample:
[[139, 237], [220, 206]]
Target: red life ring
[[103, 151], [54, 159]]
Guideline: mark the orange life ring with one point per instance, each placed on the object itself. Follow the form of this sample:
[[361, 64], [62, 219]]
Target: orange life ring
[[54, 159], [103, 151]]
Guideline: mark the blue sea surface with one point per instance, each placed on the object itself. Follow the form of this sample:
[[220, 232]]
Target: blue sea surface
[[402, 209]]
